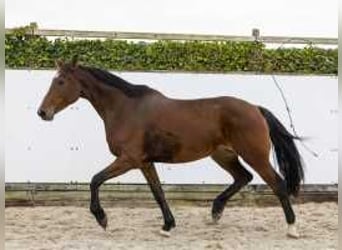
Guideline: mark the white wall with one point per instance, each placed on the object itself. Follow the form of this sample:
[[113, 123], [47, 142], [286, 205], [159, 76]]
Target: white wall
[[40, 151]]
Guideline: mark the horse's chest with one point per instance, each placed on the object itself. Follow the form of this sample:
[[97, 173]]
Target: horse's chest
[[116, 141], [114, 148]]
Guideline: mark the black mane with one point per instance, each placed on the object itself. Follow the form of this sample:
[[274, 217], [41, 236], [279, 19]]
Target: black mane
[[109, 79]]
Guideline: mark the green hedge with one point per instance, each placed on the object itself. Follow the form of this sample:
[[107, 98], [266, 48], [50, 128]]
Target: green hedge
[[39, 52]]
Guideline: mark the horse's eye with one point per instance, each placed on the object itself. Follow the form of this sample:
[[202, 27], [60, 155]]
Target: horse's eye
[[60, 82]]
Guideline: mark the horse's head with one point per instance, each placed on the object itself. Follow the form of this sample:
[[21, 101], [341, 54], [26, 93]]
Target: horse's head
[[65, 89]]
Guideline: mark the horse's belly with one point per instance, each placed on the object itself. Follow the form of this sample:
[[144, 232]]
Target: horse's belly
[[173, 147], [187, 156], [192, 151]]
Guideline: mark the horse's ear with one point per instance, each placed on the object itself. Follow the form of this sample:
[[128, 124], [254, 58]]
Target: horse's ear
[[74, 61], [59, 64]]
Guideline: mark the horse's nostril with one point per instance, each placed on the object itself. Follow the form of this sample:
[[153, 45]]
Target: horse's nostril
[[41, 113]]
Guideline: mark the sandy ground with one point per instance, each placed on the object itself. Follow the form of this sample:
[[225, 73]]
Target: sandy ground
[[137, 228]]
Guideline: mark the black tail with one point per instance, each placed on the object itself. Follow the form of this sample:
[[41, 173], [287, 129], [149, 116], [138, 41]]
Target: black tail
[[288, 157]]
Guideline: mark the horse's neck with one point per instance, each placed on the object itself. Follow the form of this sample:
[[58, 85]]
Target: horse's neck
[[107, 101]]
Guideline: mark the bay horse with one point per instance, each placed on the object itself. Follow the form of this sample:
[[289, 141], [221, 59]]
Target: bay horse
[[143, 126]]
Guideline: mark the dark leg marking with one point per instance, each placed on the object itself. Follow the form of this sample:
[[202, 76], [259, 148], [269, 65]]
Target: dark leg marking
[[278, 186], [260, 163], [151, 175], [115, 169], [229, 162]]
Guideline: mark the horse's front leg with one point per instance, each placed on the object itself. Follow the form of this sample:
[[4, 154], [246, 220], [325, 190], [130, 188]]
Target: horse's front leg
[[118, 167], [152, 178]]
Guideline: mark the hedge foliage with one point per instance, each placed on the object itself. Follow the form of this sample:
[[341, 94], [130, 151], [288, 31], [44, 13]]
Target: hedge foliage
[[39, 52]]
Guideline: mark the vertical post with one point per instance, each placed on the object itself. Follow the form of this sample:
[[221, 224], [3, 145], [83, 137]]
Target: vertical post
[[256, 58], [256, 34], [33, 28]]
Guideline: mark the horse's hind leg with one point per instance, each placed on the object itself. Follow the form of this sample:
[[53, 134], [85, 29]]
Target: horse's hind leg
[[262, 166], [228, 160], [278, 186], [151, 175]]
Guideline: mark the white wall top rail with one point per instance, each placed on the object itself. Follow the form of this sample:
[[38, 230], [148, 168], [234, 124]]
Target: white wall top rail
[[178, 36]]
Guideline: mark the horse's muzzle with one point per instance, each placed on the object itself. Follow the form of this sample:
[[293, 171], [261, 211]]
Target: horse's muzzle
[[44, 115]]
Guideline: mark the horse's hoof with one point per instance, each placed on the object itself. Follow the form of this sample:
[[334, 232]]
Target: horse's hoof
[[165, 233], [216, 217], [292, 232], [103, 222]]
